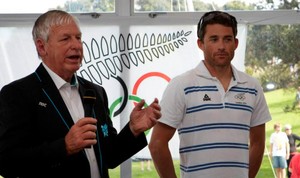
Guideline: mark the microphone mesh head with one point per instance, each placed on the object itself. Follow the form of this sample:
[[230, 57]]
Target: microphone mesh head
[[89, 96]]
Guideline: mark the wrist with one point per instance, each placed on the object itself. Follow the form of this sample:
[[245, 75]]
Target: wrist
[[133, 131]]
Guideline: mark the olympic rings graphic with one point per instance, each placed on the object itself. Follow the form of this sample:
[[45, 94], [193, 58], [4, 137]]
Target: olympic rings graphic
[[133, 97]]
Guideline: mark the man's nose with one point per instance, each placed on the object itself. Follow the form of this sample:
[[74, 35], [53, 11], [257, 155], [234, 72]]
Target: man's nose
[[221, 45]]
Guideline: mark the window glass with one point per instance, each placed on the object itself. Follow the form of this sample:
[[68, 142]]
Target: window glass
[[207, 5], [73, 6]]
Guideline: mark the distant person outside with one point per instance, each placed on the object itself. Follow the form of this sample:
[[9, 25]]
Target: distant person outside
[[279, 150], [294, 166], [297, 100], [292, 141]]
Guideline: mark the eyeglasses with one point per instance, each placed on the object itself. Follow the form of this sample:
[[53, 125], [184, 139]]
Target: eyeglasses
[[216, 17]]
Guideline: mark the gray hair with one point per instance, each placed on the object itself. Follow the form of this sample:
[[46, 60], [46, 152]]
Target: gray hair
[[51, 18]]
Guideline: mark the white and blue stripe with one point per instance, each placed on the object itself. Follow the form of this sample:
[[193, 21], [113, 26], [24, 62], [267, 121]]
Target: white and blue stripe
[[243, 90], [211, 126], [211, 165], [191, 89], [220, 145]]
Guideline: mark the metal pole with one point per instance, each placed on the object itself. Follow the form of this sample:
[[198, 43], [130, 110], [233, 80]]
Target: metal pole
[[270, 161]]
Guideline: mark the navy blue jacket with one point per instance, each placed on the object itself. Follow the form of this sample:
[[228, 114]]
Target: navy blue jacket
[[34, 121]]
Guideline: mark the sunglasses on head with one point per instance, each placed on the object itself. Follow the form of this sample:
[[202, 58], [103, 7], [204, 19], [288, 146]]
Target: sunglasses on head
[[215, 17]]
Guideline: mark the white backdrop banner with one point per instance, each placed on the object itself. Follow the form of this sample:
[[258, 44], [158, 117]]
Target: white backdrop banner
[[131, 63]]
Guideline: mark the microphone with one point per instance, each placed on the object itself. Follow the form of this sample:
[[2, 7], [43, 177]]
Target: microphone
[[89, 100]]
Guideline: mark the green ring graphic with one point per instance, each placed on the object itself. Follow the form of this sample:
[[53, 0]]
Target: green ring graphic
[[119, 100]]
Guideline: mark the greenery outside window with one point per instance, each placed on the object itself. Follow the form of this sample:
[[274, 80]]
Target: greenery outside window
[[72, 6], [207, 5]]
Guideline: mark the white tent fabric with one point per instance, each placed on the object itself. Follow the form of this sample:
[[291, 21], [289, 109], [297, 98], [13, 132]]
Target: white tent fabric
[[131, 62]]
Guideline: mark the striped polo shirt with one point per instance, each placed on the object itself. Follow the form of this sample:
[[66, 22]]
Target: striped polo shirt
[[213, 124]]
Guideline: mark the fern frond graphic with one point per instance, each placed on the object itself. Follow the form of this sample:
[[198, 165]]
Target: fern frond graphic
[[105, 58]]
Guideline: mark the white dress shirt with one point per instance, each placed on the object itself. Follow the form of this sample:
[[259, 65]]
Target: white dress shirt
[[71, 97]]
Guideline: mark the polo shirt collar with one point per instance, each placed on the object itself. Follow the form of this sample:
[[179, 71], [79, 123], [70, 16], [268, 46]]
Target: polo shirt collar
[[202, 71]]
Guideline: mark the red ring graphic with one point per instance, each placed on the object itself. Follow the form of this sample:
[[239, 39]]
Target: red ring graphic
[[147, 75]]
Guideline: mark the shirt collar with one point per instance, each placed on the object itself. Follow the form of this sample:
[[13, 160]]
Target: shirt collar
[[58, 81], [202, 71]]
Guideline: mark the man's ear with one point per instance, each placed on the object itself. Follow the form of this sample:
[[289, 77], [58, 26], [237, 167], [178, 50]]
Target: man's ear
[[236, 42], [40, 47], [200, 44]]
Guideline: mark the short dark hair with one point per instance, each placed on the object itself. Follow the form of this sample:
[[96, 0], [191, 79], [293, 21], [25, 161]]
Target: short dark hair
[[216, 17]]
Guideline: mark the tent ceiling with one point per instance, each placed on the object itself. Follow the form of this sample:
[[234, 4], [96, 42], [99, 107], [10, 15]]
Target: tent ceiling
[[268, 17], [243, 17]]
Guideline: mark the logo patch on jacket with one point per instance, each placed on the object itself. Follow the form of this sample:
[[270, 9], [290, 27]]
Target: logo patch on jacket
[[104, 130], [43, 104]]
